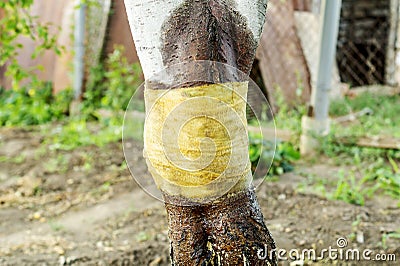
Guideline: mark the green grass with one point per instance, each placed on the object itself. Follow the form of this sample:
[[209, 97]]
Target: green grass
[[78, 132], [385, 119], [349, 190], [378, 170]]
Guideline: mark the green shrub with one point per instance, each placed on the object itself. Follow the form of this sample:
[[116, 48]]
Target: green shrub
[[33, 106], [111, 86], [16, 23]]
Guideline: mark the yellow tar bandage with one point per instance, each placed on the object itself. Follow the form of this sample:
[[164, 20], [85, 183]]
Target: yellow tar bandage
[[196, 143]]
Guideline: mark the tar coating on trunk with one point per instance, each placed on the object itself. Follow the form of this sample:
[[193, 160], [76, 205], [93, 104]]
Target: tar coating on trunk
[[207, 30], [219, 233]]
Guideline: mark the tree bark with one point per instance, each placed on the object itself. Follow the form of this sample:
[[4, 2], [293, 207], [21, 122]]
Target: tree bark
[[229, 230]]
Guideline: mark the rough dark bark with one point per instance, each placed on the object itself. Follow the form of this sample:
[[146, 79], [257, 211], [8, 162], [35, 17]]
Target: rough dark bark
[[207, 30], [230, 231]]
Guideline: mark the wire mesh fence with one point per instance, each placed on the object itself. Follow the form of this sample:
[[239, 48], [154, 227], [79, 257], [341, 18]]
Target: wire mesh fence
[[97, 19], [366, 50], [363, 41]]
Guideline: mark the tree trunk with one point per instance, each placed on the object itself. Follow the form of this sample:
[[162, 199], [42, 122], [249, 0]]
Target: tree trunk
[[230, 231], [205, 229]]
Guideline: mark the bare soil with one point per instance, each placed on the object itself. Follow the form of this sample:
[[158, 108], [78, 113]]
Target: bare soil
[[82, 207]]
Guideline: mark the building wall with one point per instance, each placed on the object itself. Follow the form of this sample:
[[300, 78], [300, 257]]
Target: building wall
[[55, 12], [60, 13], [119, 32]]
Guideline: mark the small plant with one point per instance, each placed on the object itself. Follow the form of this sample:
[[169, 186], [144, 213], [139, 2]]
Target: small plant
[[262, 151], [111, 86], [379, 168], [142, 236], [57, 165], [387, 236], [387, 177], [289, 117], [348, 190], [355, 228], [314, 184], [30, 101], [378, 177], [17, 22], [56, 227]]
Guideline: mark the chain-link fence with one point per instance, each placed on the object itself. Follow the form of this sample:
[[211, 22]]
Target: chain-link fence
[[96, 28], [366, 51], [363, 41]]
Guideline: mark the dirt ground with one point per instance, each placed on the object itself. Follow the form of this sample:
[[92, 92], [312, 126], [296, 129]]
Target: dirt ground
[[82, 207]]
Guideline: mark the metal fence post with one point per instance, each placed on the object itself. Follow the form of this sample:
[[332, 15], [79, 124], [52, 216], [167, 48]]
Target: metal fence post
[[316, 123], [79, 39]]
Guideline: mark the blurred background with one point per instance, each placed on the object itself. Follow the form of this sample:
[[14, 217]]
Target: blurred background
[[67, 72]]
